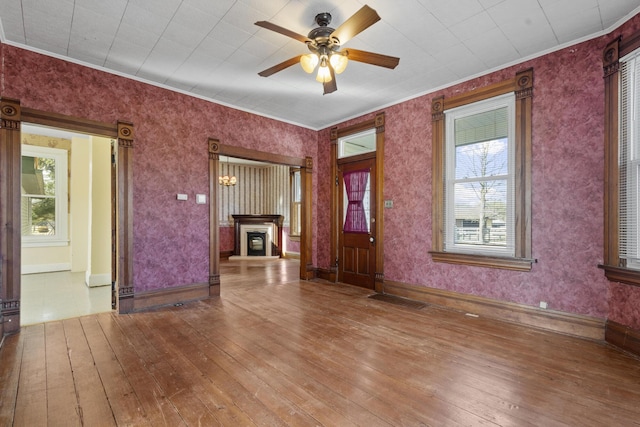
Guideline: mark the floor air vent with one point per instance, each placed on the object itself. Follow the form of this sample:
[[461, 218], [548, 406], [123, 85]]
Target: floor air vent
[[398, 301]]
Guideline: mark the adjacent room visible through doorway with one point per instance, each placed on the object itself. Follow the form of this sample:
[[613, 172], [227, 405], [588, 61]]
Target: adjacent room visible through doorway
[[66, 224]]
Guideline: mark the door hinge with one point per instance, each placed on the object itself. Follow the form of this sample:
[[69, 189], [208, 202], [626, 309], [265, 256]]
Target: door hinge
[[337, 180]]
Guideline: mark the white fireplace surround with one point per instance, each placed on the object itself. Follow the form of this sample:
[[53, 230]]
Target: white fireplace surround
[[267, 228]]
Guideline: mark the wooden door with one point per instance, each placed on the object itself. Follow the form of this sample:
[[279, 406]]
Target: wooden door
[[357, 239]]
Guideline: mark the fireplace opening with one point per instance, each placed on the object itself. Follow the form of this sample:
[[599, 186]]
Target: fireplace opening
[[256, 243]]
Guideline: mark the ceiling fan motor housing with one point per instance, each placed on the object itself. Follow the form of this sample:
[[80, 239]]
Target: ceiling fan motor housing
[[321, 36], [323, 19]]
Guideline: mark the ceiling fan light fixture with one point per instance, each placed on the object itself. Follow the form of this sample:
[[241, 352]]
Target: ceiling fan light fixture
[[309, 62], [338, 62], [324, 74]]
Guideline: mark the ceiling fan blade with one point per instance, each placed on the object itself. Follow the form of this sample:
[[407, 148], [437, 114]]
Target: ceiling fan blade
[[359, 21], [283, 31], [372, 58], [331, 86], [281, 66]]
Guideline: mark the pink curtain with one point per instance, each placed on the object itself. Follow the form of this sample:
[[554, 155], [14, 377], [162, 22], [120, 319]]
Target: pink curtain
[[355, 184]]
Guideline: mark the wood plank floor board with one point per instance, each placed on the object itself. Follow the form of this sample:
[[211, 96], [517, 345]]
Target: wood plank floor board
[[91, 397], [273, 351], [334, 375], [536, 417], [294, 391], [180, 386], [10, 368], [158, 409], [333, 351], [482, 383], [213, 357], [547, 368], [210, 374], [31, 403], [124, 403], [331, 337], [62, 402], [315, 394]]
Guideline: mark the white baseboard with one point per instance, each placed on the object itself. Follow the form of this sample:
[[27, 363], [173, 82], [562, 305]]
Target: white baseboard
[[44, 268], [95, 280]]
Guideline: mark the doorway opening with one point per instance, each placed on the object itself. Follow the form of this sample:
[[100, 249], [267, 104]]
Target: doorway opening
[[304, 166], [66, 217]]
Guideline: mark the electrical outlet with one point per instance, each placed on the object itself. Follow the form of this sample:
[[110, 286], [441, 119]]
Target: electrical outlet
[[543, 304], [388, 204]]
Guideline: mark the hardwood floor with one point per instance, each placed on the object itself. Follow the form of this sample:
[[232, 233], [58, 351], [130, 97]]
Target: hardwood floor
[[273, 350]]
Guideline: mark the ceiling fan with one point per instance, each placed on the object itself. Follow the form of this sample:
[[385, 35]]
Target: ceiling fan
[[324, 43]]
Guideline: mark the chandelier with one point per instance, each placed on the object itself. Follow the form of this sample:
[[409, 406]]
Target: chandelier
[[227, 180]]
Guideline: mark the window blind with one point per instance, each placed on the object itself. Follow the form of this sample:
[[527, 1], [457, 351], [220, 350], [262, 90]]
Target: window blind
[[484, 126]]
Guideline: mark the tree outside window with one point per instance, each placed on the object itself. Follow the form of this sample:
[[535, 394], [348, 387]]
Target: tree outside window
[[479, 183]]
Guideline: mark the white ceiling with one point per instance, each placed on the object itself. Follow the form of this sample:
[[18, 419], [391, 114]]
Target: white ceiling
[[212, 49]]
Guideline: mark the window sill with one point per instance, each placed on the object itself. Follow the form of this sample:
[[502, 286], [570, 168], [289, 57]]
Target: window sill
[[620, 274], [505, 263], [28, 243]]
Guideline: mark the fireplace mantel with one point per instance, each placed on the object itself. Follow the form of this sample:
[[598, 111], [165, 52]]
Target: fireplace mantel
[[239, 220]]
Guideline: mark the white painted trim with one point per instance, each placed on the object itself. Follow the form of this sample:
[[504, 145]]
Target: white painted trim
[[45, 268], [95, 280]]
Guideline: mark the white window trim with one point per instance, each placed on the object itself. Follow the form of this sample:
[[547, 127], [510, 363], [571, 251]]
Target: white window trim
[[62, 196], [508, 101]]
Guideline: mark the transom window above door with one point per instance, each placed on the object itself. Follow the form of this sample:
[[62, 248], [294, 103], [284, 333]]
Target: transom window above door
[[358, 143]]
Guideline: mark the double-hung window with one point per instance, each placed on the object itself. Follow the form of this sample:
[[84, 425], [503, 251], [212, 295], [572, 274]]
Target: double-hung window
[[44, 196], [481, 200], [629, 159], [295, 225], [479, 183], [621, 65]]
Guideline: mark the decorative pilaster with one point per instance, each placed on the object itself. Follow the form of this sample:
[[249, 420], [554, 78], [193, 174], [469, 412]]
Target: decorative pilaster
[[125, 217], [306, 255], [437, 167], [214, 221], [379, 123], [523, 128], [334, 206], [10, 232], [611, 71]]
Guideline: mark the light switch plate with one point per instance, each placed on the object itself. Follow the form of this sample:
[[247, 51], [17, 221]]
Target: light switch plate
[[201, 199], [182, 197]]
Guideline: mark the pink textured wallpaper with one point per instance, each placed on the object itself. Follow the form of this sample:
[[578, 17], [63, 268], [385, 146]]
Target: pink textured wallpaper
[[171, 240], [226, 238], [568, 179]]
